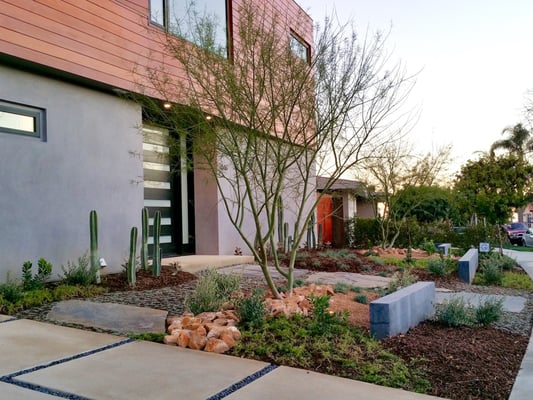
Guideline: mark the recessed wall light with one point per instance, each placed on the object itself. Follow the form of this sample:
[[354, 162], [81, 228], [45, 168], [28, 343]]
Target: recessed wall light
[[167, 105]]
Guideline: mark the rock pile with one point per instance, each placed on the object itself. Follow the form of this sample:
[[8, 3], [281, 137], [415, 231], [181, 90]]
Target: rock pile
[[298, 302], [209, 331]]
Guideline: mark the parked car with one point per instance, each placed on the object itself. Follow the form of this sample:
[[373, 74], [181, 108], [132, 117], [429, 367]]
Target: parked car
[[527, 239], [515, 232]]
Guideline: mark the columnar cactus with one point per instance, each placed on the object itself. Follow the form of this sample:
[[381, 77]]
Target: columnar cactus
[[280, 220], [144, 238], [132, 277], [93, 228], [156, 258], [285, 237]]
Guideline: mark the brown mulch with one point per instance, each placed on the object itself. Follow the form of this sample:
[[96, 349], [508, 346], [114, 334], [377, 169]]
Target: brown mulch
[[146, 281], [463, 363]]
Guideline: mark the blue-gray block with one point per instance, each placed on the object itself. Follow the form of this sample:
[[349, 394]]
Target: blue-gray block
[[468, 265], [399, 311]]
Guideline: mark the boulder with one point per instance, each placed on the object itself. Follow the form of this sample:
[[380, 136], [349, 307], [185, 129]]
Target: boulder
[[214, 345]]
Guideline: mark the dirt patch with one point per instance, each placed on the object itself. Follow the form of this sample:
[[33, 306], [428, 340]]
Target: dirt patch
[[463, 363], [358, 313], [145, 280]]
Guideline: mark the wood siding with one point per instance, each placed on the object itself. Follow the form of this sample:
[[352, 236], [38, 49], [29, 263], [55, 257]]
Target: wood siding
[[108, 41]]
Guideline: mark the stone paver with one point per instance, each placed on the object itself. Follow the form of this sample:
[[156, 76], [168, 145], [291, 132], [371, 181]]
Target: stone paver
[[510, 303], [25, 344], [350, 278], [144, 370], [12, 392], [197, 263], [252, 270], [114, 317], [291, 383]]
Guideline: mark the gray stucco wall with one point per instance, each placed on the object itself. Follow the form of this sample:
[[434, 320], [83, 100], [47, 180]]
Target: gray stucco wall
[[92, 159]]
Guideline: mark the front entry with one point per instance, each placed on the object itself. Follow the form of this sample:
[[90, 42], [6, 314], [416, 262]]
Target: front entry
[[168, 190]]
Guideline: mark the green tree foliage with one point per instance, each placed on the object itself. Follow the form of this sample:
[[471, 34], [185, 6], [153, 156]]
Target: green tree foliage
[[492, 187], [431, 203], [519, 141]]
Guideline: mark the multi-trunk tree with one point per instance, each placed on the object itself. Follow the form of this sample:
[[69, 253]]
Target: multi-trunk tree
[[264, 122]]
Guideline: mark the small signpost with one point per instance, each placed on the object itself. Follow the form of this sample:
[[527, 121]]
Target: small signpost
[[484, 247]]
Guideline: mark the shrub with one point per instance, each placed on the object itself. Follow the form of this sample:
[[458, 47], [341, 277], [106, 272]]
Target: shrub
[[323, 319], [438, 266], [362, 232], [251, 310], [454, 312], [428, 246], [37, 281], [11, 291], [341, 287], [489, 311], [361, 298], [516, 280], [400, 280], [491, 273], [211, 291], [81, 274]]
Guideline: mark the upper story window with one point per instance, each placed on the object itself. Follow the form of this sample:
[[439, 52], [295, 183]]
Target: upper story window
[[300, 48], [22, 120], [204, 22]]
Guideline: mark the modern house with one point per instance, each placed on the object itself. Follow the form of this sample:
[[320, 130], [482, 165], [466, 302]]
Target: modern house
[[343, 200], [71, 142]]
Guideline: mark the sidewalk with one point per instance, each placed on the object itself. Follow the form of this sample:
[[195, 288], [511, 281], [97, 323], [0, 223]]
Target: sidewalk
[[43, 361]]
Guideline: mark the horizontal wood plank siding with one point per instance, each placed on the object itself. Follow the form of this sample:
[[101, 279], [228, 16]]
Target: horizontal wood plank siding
[[108, 41]]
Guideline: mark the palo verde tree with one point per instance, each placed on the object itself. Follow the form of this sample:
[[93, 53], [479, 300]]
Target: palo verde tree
[[264, 121]]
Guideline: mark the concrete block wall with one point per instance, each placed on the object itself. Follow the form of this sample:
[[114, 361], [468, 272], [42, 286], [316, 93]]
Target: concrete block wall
[[468, 265], [399, 311]]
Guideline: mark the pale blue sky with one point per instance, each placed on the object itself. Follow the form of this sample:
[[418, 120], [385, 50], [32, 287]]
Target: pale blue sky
[[475, 58]]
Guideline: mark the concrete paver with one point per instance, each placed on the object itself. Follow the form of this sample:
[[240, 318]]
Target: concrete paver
[[292, 383], [510, 303], [5, 318], [12, 392], [114, 317], [25, 344], [144, 370]]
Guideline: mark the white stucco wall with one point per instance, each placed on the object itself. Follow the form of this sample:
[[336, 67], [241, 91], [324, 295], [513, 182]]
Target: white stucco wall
[[91, 159]]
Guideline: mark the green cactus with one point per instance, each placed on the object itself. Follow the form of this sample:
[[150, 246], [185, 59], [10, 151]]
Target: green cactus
[[93, 227], [144, 239], [156, 258], [132, 277]]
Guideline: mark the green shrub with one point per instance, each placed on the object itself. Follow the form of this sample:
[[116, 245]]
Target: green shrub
[[489, 311], [211, 291], [81, 274], [341, 287], [400, 280], [428, 246], [492, 274], [361, 298], [454, 312], [251, 310], [516, 280], [362, 232], [323, 319], [37, 281], [11, 291], [438, 266]]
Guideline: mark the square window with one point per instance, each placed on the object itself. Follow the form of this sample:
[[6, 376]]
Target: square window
[[22, 120], [157, 12], [300, 48]]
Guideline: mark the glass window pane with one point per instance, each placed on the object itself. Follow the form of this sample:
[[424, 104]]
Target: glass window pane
[[299, 48], [203, 22], [157, 12], [17, 122]]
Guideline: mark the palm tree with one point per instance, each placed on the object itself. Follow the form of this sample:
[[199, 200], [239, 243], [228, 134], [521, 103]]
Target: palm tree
[[518, 142]]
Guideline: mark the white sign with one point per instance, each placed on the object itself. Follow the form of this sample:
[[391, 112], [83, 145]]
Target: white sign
[[484, 247]]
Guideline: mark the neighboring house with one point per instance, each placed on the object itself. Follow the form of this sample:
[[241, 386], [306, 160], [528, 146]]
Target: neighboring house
[[345, 199], [70, 143]]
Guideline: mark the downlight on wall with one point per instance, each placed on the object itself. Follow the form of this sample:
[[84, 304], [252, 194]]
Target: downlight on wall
[[167, 105]]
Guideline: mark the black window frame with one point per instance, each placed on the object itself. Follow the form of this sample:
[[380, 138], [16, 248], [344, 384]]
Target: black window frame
[[294, 37], [38, 115], [166, 22]]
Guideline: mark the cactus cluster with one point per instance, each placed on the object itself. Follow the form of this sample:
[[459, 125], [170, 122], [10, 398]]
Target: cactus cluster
[[156, 257], [93, 228], [131, 272]]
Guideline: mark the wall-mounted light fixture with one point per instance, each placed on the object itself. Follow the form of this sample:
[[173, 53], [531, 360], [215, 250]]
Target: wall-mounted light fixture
[[167, 105], [208, 117]]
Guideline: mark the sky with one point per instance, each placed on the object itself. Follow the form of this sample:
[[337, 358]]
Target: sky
[[474, 60]]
